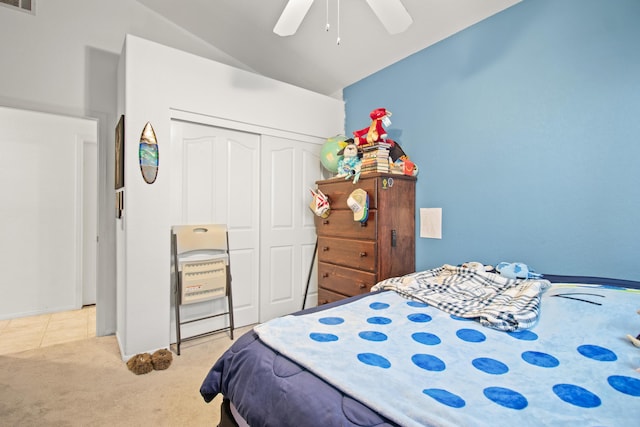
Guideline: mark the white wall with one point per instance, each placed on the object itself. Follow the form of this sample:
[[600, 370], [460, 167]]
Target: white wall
[[46, 57], [64, 60], [160, 83]]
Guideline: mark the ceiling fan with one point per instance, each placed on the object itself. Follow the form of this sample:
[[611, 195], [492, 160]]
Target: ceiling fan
[[391, 13]]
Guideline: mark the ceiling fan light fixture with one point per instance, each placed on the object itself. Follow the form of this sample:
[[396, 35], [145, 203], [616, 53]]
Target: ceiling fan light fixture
[[391, 13]]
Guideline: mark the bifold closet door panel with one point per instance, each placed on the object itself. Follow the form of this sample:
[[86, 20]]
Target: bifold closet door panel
[[215, 180], [289, 168]]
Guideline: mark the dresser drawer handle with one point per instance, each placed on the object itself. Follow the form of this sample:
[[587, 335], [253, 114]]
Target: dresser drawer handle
[[325, 274], [363, 254], [325, 248], [362, 286], [325, 222]]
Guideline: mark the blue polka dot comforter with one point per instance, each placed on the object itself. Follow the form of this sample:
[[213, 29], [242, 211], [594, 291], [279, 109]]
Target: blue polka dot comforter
[[417, 365]]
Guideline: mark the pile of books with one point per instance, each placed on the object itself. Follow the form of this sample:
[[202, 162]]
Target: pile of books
[[375, 157]]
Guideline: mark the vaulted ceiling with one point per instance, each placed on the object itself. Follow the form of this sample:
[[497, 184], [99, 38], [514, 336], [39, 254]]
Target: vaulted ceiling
[[311, 58]]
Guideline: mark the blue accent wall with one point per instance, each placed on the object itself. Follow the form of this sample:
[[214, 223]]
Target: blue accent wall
[[526, 130]]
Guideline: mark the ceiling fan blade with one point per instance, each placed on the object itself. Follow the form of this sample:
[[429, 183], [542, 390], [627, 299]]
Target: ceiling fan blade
[[392, 14], [292, 16]]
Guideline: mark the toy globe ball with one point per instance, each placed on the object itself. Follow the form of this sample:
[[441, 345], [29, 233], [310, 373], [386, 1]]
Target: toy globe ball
[[329, 153]]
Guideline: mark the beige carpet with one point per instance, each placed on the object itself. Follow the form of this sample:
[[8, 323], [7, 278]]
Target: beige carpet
[[86, 383]]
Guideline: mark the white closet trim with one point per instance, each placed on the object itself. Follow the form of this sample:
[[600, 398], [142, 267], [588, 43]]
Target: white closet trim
[[242, 126]]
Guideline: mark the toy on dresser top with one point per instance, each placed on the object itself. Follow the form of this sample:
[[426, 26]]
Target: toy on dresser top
[[379, 153], [368, 151], [349, 164], [375, 132]]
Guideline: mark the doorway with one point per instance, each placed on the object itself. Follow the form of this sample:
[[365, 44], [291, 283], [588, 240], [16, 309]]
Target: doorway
[[49, 212]]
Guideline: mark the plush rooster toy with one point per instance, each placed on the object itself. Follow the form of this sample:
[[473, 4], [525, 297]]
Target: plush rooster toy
[[375, 132]]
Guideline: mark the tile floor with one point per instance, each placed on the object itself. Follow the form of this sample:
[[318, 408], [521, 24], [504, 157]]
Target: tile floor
[[27, 333]]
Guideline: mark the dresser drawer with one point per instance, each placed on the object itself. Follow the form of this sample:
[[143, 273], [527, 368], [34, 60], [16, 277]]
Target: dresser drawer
[[358, 254], [325, 296], [341, 224], [339, 191], [346, 281]]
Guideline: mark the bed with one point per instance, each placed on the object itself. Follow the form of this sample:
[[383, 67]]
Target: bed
[[445, 347]]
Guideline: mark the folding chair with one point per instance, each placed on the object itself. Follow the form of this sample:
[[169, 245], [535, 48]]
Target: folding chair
[[202, 269]]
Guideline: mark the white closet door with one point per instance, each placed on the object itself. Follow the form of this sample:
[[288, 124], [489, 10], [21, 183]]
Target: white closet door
[[215, 179], [288, 169]]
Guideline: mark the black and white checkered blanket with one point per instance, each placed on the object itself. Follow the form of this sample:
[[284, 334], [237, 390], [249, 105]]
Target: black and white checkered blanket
[[495, 301]]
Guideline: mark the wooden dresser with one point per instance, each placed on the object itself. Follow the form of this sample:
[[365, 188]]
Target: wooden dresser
[[354, 256]]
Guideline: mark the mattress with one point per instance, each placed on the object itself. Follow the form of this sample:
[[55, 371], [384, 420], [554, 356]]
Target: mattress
[[594, 380]]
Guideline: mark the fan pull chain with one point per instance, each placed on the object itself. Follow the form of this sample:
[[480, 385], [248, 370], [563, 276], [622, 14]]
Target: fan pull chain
[[338, 41], [326, 28]]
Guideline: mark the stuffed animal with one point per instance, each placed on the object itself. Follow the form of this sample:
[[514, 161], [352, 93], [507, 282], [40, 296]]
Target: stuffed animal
[[474, 265], [350, 163], [375, 132], [140, 364], [400, 162], [516, 270]]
